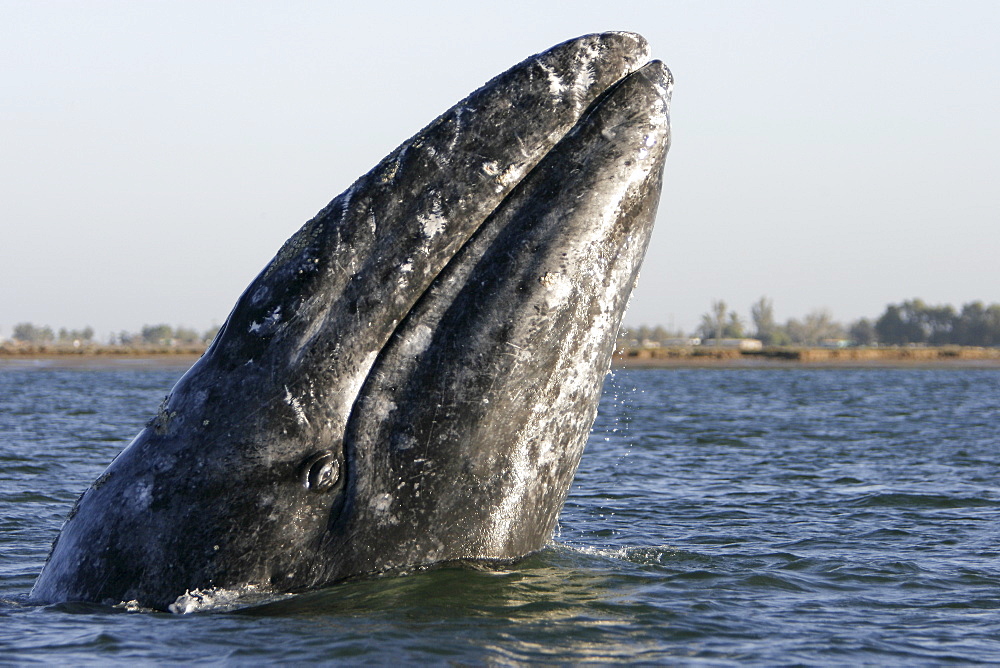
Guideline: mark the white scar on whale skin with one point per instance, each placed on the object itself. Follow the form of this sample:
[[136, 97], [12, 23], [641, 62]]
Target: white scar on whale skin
[[265, 327], [434, 222], [296, 405]]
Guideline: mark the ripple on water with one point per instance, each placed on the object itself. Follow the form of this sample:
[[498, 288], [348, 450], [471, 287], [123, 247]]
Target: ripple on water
[[913, 500]]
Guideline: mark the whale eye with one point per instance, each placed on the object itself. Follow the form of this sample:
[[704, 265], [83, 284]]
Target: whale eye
[[321, 472]]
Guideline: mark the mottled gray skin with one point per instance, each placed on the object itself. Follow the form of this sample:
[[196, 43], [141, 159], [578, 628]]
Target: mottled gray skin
[[412, 379]]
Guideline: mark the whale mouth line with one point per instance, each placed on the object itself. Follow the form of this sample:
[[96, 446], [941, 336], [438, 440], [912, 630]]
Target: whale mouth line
[[509, 342], [504, 236]]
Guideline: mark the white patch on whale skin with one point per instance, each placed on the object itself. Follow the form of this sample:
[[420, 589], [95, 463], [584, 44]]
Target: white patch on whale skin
[[141, 495], [345, 204], [417, 340], [380, 407], [458, 129], [510, 176], [505, 177], [300, 414], [648, 143], [381, 504], [558, 289], [578, 89], [433, 222], [353, 383], [405, 443], [267, 326], [556, 85]]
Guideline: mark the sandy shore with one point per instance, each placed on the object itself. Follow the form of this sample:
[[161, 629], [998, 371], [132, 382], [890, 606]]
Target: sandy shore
[[657, 358], [778, 358]]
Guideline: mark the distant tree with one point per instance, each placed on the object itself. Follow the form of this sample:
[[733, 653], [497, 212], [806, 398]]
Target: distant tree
[[157, 334], [765, 328], [68, 335], [910, 322], [978, 325], [913, 321], [734, 329], [938, 323], [718, 315], [895, 328], [781, 337], [29, 333], [993, 324], [814, 329], [720, 323], [862, 332], [713, 323], [127, 338], [797, 332], [187, 336]]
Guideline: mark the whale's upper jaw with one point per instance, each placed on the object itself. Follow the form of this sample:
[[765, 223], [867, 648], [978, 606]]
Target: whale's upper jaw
[[433, 342]]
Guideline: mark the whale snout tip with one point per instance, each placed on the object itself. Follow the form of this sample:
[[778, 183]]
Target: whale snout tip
[[630, 41]]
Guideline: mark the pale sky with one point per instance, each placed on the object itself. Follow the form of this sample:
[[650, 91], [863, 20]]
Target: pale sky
[[155, 155]]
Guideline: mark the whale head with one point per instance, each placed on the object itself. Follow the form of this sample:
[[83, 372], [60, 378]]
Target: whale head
[[412, 379]]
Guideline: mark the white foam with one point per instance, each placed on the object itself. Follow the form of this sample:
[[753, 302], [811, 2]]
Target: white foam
[[218, 599]]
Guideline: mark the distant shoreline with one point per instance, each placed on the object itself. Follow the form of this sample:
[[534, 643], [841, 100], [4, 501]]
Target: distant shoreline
[[642, 358], [860, 358], [98, 357]]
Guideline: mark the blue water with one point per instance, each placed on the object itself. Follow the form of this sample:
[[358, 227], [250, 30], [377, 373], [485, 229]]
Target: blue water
[[719, 517]]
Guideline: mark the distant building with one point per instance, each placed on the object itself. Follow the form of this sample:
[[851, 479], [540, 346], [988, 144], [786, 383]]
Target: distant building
[[738, 344], [681, 343]]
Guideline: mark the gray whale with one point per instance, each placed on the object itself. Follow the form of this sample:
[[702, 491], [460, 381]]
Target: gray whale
[[412, 379]]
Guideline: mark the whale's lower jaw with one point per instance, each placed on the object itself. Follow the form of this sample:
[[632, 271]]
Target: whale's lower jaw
[[413, 378]]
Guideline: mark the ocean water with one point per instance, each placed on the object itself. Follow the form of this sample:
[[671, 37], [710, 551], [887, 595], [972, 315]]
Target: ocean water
[[719, 517]]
